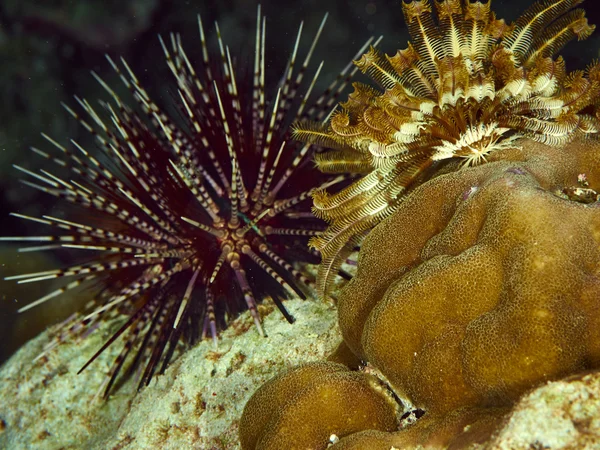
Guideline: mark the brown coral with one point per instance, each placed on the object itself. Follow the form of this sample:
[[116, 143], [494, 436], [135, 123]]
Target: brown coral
[[327, 399], [484, 283], [466, 86]]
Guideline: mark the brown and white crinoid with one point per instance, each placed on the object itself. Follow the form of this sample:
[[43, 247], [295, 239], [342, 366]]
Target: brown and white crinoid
[[467, 84], [181, 221]]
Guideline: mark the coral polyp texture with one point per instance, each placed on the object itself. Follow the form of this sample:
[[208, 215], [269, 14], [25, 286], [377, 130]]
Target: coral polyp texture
[[343, 400], [179, 222], [483, 284], [467, 85]]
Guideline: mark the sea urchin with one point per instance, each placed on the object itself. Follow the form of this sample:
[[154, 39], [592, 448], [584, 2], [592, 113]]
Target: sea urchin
[[185, 220]]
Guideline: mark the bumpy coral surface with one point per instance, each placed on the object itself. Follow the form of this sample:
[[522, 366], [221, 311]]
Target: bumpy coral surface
[[327, 399], [484, 284], [486, 281]]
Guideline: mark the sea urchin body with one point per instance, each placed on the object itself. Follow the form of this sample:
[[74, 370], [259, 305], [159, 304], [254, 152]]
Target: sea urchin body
[[186, 220]]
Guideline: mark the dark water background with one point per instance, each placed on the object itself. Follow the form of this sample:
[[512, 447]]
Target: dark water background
[[49, 47]]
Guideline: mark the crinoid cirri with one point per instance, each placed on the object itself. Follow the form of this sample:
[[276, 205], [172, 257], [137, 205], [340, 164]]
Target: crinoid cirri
[[467, 85], [176, 223]]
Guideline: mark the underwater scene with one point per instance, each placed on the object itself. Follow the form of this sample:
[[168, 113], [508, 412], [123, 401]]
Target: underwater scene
[[346, 225]]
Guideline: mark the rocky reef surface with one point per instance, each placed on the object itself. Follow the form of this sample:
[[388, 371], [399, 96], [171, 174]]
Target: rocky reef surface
[[195, 404]]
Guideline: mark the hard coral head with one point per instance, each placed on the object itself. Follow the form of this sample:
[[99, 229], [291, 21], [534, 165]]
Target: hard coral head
[[485, 282]]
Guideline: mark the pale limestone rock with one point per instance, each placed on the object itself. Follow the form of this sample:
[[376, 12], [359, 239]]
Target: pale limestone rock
[[559, 415], [195, 404]]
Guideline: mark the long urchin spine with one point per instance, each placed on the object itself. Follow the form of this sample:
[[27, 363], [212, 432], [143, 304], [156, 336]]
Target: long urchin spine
[[177, 229]]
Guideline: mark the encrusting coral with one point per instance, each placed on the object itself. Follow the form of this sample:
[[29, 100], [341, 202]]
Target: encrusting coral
[[467, 85], [484, 283]]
